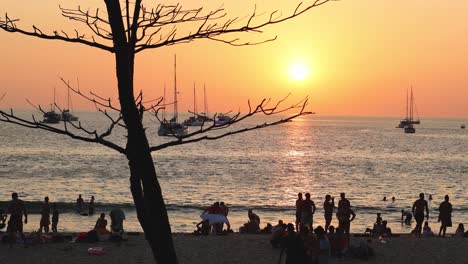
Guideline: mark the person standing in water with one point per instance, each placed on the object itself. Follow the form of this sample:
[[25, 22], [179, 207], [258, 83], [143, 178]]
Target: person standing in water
[[418, 212], [55, 218], [307, 212], [91, 206], [79, 204]]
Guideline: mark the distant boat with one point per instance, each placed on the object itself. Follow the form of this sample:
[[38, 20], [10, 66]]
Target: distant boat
[[171, 127], [198, 119], [462, 126], [52, 117], [409, 121], [409, 128], [222, 119]]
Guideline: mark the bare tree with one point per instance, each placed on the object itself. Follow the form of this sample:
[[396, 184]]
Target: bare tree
[[125, 32]]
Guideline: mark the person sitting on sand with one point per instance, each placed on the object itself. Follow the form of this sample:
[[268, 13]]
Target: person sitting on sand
[[277, 233], [427, 232], [45, 216], [460, 232], [253, 225], [328, 206], [331, 238], [203, 228], [384, 230], [3, 218], [101, 225], [267, 229], [80, 204], [294, 247], [325, 249], [55, 218], [445, 215], [341, 243], [407, 216], [16, 210], [418, 212]]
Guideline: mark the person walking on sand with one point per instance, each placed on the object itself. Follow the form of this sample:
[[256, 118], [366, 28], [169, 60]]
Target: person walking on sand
[[445, 215], [307, 212], [45, 216], [298, 210], [328, 206], [55, 218], [418, 212], [16, 210]]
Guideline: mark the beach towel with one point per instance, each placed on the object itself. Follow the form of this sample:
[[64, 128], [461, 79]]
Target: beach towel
[[214, 218]]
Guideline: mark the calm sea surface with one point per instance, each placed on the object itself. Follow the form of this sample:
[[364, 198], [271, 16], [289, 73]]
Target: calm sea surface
[[366, 157]]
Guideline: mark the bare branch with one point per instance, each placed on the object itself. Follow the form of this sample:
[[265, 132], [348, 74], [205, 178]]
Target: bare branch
[[167, 15], [13, 119], [261, 108], [9, 25]]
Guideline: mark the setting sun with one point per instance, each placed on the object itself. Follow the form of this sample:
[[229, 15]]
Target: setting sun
[[299, 72]]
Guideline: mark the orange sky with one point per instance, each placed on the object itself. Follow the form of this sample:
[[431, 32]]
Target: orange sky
[[362, 56]]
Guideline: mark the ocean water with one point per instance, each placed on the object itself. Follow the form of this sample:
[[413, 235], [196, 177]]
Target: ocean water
[[365, 157]]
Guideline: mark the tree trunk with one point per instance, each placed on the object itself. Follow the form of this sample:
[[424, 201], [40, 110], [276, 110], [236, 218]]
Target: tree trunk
[[144, 185]]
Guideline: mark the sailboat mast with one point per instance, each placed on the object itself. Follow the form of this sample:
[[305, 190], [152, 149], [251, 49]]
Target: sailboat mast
[[407, 116], [411, 105], [175, 88], [194, 102], [205, 105], [164, 104]]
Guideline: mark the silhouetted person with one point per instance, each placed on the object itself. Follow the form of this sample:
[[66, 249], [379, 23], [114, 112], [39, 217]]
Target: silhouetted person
[[407, 216], [55, 218], [294, 247], [16, 210], [45, 216], [384, 198], [418, 212], [445, 215], [91, 206], [79, 204], [328, 206], [3, 218], [430, 197], [101, 225], [344, 203], [298, 210], [117, 217], [307, 211], [345, 217]]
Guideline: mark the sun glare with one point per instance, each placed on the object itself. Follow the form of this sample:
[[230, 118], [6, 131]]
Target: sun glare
[[299, 72]]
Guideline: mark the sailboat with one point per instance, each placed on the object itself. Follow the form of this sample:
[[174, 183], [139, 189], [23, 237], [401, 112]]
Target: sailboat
[[52, 117], [409, 112], [410, 105], [171, 127], [198, 119], [66, 114]]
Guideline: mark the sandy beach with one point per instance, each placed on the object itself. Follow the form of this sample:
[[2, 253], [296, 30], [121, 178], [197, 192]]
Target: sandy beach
[[236, 248]]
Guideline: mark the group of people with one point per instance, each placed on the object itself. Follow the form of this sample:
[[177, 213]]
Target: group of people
[[305, 210], [81, 207], [17, 210], [213, 219]]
